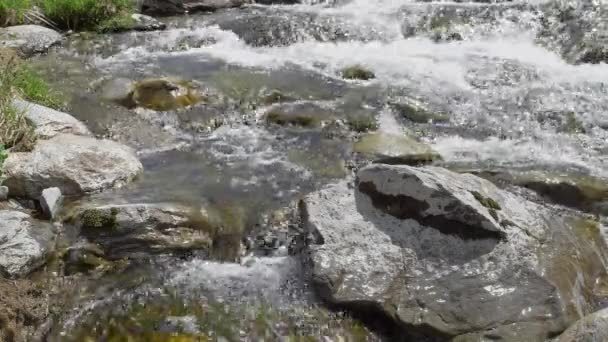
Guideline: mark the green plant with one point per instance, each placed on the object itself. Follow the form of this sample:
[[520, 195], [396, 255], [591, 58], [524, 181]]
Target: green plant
[[34, 88], [16, 131], [12, 12], [84, 14], [116, 23], [3, 156]]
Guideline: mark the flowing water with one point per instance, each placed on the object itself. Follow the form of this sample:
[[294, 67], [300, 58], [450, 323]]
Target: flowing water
[[511, 103]]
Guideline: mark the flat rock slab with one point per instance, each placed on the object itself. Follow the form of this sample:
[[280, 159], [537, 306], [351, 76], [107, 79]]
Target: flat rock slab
[[29, 39], [142, 229], [74, 164], [24, 243], [49, 122], [442, 255]]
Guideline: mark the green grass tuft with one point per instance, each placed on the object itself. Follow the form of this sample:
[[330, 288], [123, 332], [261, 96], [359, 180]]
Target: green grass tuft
[[34, 88], [12, 12], [16, 132], [84, 14]]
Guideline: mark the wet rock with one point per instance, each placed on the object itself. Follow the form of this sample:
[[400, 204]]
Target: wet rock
[[578, 30], [361, 123], [591, 328], [173, 7], [49, 122], [437, 252], [74, 164], [29, 39], [582, 192], [303, 115], [25, 243], [3, 193], [394, 149], [50, 202], [141, 229], [85, 257], [416, 112], [161, 94], [357, 73], [143, 22], [260, 27]]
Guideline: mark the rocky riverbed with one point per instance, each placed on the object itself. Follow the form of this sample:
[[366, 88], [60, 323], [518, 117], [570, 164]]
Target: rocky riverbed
[[314, 170]]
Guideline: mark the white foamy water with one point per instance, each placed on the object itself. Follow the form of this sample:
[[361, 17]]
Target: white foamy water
[[271, 278], [498, 79]]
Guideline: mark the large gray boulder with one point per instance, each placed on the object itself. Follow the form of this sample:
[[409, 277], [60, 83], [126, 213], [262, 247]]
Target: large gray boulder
[[24, 243], [142, 229], [29, 39], [446, 255], [591, 328], [74, 164], [173, 7], [49, 122]]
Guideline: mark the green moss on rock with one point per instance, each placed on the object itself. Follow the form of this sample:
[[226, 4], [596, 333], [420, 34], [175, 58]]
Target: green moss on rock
[[362, 123], [357, 72], [394, 149], [417, 114], [285, 118], [98, 219], [487, 202]]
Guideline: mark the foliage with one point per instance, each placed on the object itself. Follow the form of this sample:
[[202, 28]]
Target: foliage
[[12, 12], [84, 14], [3, 156], [15, 130], [116, 23], [33, 88]]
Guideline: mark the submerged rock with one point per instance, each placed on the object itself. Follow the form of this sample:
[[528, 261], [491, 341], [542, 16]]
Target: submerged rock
[[591, 328], [25, 243], [437, 253], [49, 122], [416, 113], [143, 22], [173, 7], [29, 39], [576, 29], [164, 94], [394, 149], [357, 73], [304, 115], [136, 229], [74, 164], [582, 192]]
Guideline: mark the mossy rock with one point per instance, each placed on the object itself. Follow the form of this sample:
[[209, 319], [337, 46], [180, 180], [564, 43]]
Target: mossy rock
[[321, 164], [156, 94], [487, 202], [417, 114], [97, 219], [357, 72], [303, 115], [196, 318], [395, 149], [362, 123], [275, 96], [583, 192]]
